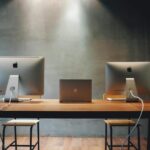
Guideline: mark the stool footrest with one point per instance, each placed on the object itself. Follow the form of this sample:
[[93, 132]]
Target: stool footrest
[[119, 145], [10, 145], [21, 145]]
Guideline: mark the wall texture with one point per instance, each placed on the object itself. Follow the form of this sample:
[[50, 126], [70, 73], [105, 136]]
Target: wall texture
[[77, 38]]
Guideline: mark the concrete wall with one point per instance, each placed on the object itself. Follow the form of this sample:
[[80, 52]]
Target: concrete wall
[[77, 38]]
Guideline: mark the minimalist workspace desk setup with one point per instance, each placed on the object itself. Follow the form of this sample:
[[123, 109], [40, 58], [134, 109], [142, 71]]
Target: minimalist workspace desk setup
[[52, 108], [24, 76]]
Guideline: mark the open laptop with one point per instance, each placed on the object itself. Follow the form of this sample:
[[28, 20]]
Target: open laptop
[[75, 90]]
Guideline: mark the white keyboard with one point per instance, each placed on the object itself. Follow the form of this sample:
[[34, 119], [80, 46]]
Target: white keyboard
[[115, 99], [17, 100], [24, 99]]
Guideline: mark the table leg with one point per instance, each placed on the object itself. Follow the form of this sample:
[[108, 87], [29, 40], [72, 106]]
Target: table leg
[[148, 136]]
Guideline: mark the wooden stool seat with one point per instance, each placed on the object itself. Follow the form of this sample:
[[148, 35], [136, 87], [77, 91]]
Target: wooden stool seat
[[21, 122], [120, 122]]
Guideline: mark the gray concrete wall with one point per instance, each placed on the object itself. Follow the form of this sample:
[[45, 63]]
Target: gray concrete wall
[[77, 38]]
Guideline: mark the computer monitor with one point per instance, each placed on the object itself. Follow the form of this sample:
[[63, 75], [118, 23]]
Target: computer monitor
[[121, 77], [21, 76]]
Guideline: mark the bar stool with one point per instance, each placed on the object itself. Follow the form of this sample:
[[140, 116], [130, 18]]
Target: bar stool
[[121, 122], [21, 122]]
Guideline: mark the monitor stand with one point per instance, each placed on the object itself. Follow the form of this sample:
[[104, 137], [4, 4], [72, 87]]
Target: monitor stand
[[131, 86], [11, 94], [12, 88]]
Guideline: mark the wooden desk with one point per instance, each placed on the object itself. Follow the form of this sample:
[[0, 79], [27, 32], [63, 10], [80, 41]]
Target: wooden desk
[[97, 109]]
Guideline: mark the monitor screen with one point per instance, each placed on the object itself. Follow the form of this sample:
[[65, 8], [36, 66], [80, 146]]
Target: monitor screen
[[26, 74], [117, 73]]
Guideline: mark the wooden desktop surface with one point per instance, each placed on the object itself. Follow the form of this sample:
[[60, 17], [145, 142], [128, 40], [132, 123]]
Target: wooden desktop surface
[[52, 108], [49, 105]]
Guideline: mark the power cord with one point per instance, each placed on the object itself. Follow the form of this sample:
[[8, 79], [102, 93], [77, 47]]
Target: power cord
[[11, 93], [142, 103]]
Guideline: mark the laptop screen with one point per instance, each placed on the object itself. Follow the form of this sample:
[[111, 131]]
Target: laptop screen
[[75, 90]]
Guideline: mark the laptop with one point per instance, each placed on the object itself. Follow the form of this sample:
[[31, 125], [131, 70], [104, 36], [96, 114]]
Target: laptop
[[75, 90]]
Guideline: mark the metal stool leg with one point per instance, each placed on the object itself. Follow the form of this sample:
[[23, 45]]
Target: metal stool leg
[[105, 136], [3, 142], [38, 135], [31, 137], [15, 136], [138, 134], [128, 138], [111, 138]]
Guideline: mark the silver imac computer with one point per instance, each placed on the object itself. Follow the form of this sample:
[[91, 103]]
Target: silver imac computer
[[21, 76], [123, 77]]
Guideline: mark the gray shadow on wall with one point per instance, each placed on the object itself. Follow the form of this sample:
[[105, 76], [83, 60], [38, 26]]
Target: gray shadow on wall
[[4, 2], [134, 14]]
